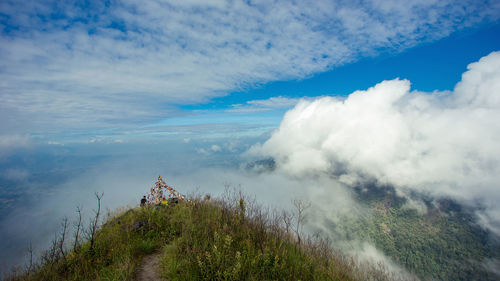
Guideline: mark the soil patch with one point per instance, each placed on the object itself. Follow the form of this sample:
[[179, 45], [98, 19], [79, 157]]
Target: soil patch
[[149, 268]]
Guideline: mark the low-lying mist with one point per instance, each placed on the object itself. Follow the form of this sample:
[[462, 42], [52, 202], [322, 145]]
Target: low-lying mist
[[126, 173]]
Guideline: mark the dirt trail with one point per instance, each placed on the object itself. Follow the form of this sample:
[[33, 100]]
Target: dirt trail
[[149, 268]]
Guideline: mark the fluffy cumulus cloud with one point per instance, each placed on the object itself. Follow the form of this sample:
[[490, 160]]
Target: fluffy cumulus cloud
[[96, 63], [440, 143]]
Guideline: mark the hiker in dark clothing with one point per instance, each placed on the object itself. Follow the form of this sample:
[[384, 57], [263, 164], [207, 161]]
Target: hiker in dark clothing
[[143, 201]]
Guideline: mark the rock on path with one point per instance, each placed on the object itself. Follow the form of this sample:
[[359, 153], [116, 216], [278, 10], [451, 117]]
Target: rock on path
[[149, 268]]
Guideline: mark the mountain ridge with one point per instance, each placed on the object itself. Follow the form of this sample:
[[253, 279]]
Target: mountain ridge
[[227, 238]]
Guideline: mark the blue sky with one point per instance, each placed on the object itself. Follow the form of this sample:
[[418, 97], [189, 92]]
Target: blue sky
[[76, 70], [431, 66]]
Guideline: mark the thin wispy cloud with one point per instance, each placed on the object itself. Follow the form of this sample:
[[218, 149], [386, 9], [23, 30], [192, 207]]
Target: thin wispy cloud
[[264, 105], [70, 65]]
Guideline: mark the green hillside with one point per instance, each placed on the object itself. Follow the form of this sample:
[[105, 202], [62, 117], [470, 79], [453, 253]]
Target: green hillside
[[200, 239], [442, 244]]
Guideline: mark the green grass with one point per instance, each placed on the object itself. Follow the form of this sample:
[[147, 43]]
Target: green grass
[[203, 239]]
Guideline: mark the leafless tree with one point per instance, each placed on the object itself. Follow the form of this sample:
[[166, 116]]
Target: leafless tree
[[62, 236], [94, 224], [30, 264], [78, 226], [56, 249], [287, 220], [300, 207], [52, 253]]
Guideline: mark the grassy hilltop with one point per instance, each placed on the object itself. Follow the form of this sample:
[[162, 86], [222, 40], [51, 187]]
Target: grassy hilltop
[[201, 239]]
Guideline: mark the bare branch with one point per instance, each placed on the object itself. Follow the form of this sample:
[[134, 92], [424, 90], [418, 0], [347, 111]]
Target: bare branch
[[94, 224], [30, 265], [62, 237], [78, 228], [300, 208]]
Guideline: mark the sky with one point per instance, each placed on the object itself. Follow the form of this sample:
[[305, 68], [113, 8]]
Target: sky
[[83, 68], [106, 95]]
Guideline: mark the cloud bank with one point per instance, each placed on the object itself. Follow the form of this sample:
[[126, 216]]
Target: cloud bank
[[94, 64], [440, 143]]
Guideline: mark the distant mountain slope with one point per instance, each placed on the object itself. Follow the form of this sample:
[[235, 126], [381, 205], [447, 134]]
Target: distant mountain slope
[[444, 243]]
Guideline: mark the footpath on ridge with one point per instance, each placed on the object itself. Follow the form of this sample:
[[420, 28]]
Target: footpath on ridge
[[149, 268]]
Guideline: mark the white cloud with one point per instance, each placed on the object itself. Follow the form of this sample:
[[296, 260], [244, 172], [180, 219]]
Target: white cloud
[[202, 151], [264, 105], [215, 148], [10, 143], [367, 253], [445, 144], [67, 66]]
